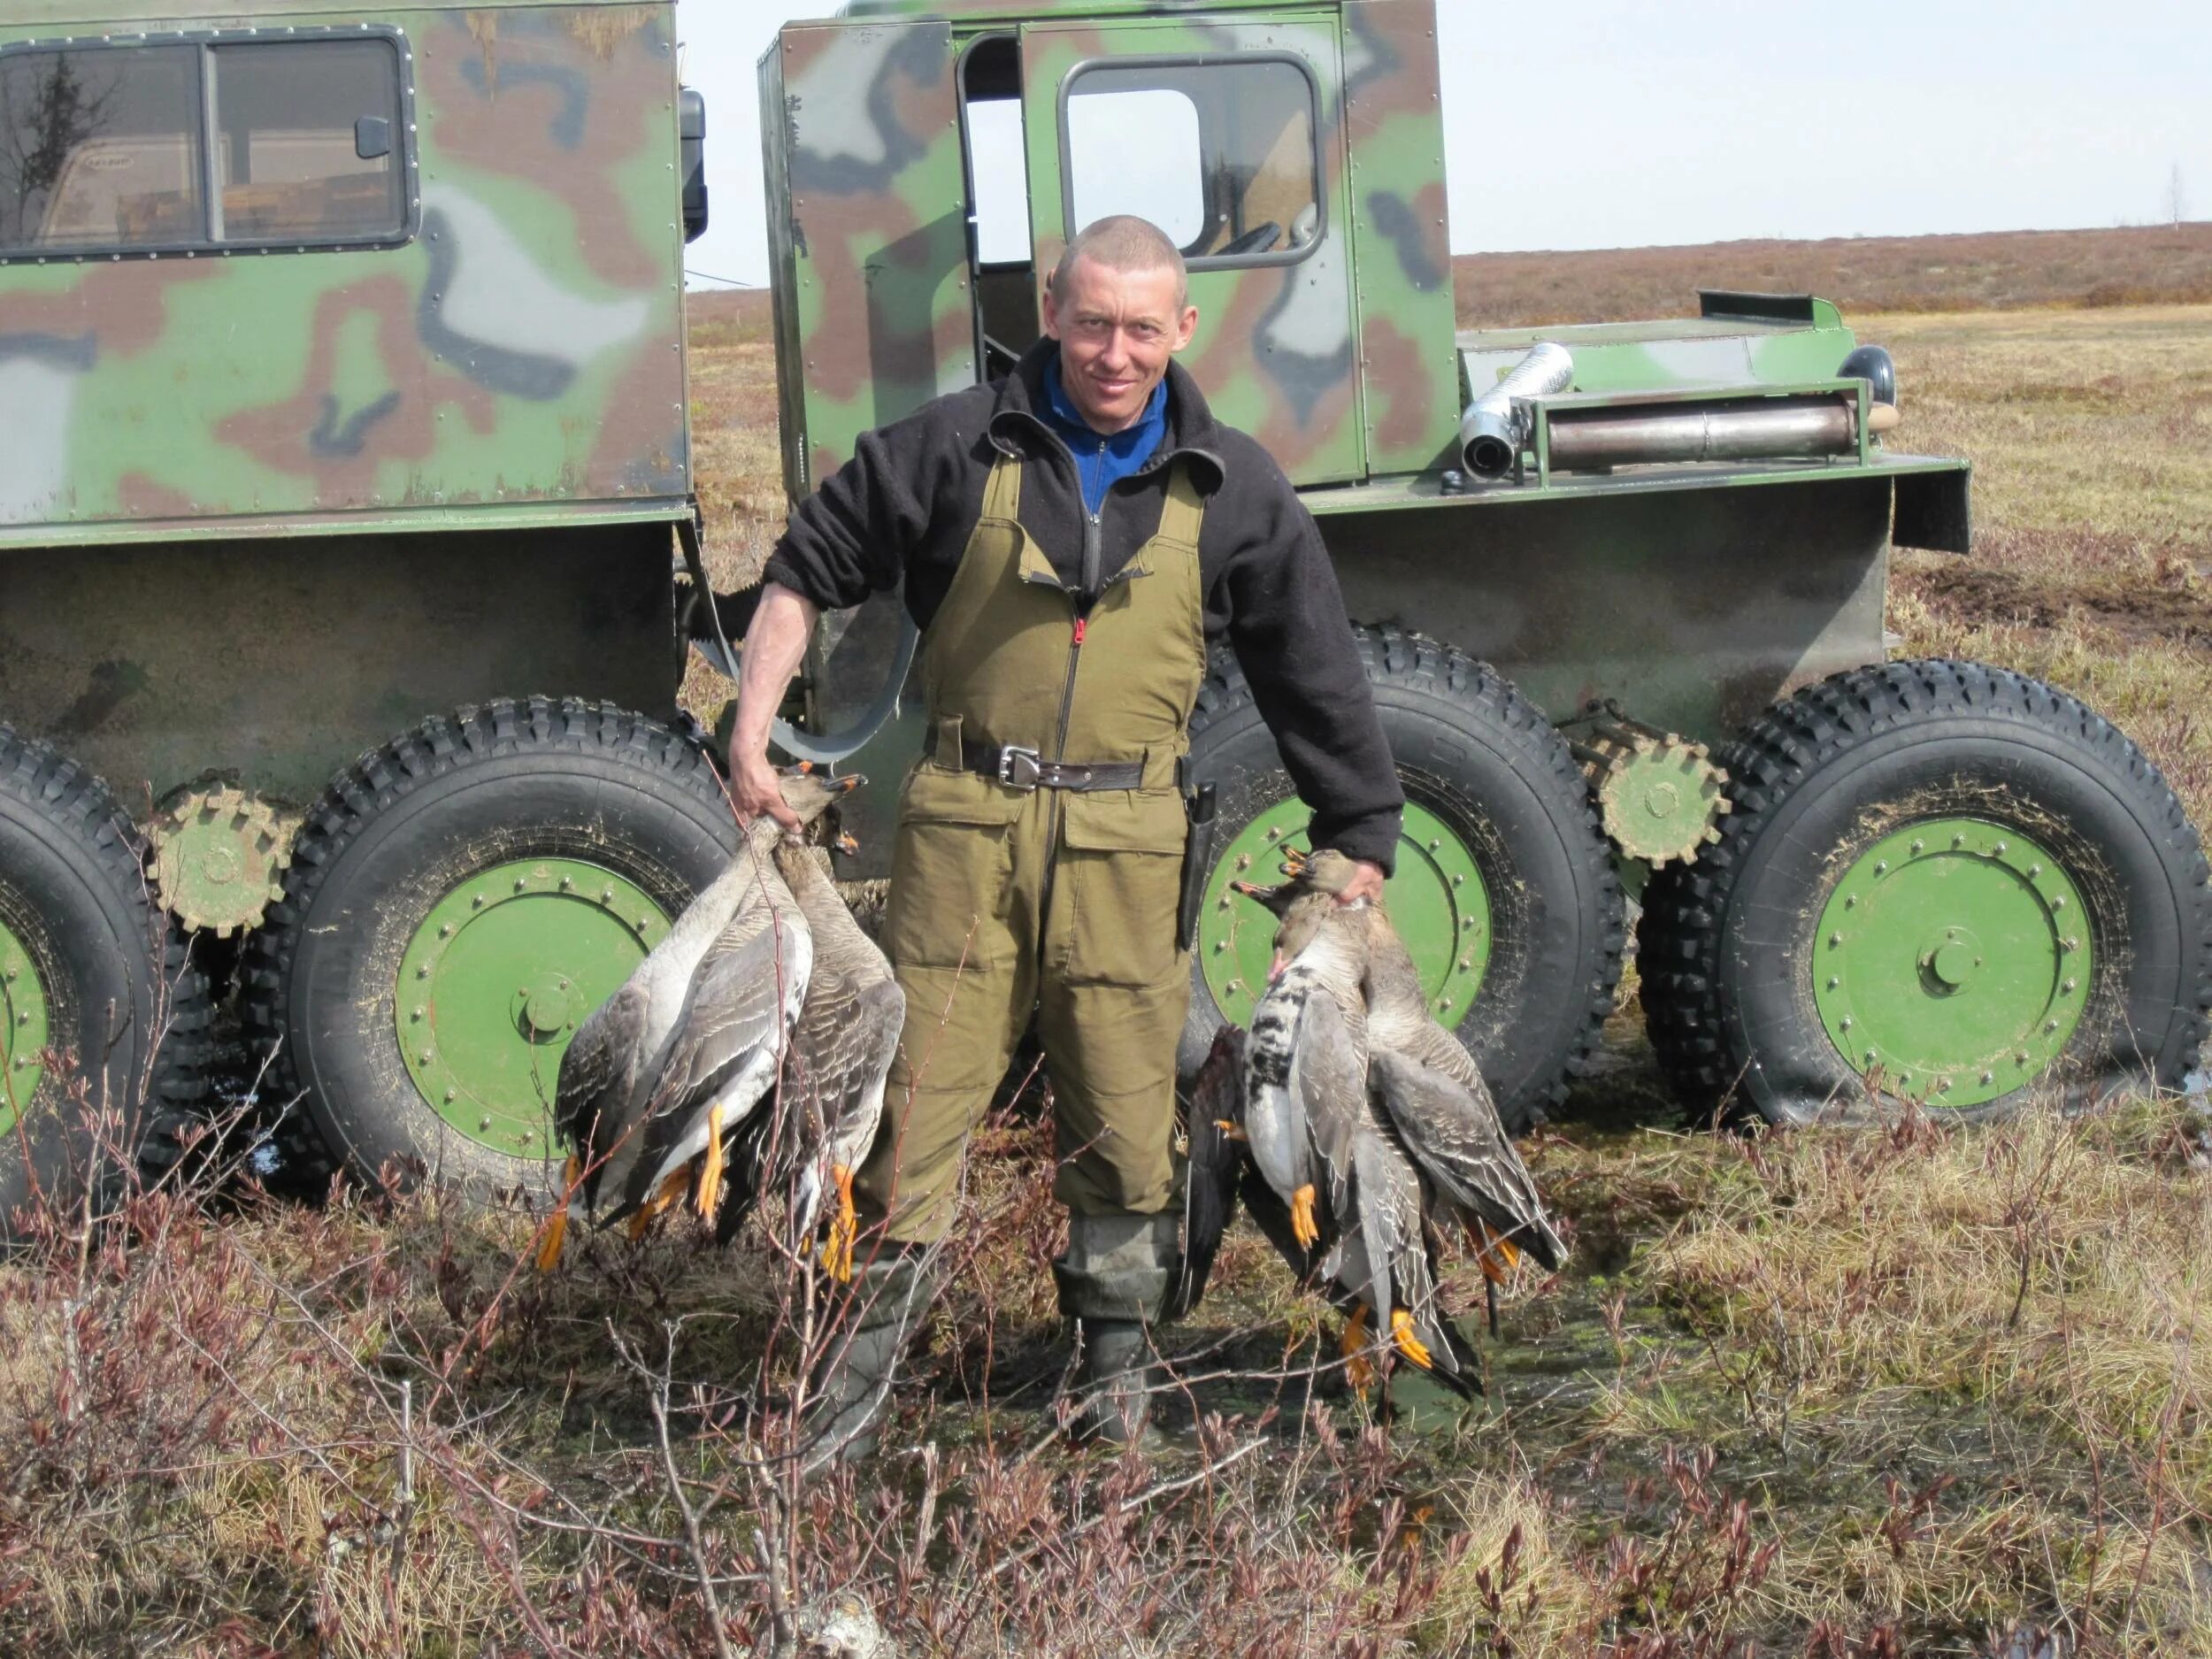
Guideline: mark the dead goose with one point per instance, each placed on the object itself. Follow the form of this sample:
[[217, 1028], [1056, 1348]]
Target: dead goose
[[1430, 1085], [1351, 1193], [1430, 1149], [842, 1047], [1433, 1091], [661, 1073]]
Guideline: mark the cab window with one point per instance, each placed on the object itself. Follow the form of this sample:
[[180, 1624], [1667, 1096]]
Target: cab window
[[101, 148], [207, 144], [1220, 154]]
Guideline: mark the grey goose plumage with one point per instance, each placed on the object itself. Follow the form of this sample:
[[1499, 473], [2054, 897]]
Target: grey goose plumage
[[665, 1069]]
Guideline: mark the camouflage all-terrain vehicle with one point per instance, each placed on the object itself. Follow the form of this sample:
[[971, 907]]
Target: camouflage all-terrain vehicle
[[341, 374]]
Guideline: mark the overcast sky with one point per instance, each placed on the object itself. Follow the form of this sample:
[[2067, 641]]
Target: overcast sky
[[1625, 123]]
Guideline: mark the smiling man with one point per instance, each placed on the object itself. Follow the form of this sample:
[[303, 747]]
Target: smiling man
[[1073, 540]]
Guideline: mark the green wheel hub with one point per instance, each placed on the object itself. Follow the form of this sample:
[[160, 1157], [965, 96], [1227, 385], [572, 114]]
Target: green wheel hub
[[496, 980], [1954, 956], [1437, 901], [23, 1033]]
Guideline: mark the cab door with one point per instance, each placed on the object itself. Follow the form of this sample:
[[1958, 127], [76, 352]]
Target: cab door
[[1228, 135], [868, 232]]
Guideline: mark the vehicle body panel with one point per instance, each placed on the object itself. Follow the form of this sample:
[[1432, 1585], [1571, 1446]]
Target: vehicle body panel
[[525, 345]]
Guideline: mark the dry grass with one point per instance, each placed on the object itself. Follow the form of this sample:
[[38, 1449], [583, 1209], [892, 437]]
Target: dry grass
[[1870, 1393], [2012, 270]]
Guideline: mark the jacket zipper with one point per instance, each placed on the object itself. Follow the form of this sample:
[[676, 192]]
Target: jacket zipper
[[1093, 558], [1092, 537]]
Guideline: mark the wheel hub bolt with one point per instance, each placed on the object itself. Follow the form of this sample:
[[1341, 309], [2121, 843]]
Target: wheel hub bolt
[[1989, 1077]]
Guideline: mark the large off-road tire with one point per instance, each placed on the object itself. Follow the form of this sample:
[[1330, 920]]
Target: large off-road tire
[[473, 890], [1505, 888], [1941, 880], [104, 1021]]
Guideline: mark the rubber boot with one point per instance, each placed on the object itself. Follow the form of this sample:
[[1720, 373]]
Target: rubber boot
[[1113, 1282], [851, 1387]]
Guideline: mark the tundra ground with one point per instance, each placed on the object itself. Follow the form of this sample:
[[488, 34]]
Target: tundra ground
[[1926, 1390]]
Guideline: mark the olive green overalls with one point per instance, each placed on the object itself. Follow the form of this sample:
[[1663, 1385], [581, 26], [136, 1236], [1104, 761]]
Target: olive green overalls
[[1006, 899]]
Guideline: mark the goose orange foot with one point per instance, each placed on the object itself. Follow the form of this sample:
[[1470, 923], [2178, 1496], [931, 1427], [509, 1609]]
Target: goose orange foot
[[844, 1229], [710, 1162], [1359, 1370], [556, 1224], [1409, 1345], [1302, 1224], [671, 1189], [1495, 1253], [1229, 1130]]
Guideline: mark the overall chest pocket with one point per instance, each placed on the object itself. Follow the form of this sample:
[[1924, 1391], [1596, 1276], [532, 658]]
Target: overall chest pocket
[[952, 871], [1122, 864]]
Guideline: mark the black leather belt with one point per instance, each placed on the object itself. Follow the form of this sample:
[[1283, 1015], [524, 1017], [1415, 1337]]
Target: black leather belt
[[1021, 768]]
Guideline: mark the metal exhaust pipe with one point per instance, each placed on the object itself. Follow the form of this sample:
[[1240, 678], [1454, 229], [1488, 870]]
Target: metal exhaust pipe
[[1736, 429], [1497, 424]]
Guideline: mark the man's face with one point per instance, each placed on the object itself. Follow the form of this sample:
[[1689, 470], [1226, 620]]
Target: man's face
[[1117, 330]]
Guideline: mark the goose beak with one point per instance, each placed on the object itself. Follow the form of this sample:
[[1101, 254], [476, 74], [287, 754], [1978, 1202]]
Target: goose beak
[[851, 781], [848, 843], [1254, 890]]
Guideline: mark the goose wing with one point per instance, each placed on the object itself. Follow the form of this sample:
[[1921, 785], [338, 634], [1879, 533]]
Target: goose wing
[[842, 1049], [1453, 1134], [1329, 1076], [728, 1046], [846, 1036], [1217, 1162], [1389, 1267], [596, 1090]]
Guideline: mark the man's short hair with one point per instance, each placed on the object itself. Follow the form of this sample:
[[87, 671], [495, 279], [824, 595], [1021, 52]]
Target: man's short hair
[[1123, 242]]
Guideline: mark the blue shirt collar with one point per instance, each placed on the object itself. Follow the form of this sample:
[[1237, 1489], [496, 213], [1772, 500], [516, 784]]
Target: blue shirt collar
[[1142, 438]]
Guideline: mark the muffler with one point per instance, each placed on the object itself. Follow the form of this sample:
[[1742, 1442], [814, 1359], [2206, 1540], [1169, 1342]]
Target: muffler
[[1496, 424], [1730, 429]]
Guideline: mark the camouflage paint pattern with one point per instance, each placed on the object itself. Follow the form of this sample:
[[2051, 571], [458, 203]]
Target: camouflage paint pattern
[[1402, 271], [525, 347], [436, 472], [867, 232], [1694, 595], [1275, 349]]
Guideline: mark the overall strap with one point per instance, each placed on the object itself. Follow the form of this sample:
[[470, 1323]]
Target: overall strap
[[1002, 490], [1184, 511]]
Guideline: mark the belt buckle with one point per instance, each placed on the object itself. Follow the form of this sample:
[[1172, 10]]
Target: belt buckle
[[1020, 768]]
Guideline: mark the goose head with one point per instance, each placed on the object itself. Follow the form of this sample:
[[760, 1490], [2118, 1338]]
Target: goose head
[[809, 792], [1308, 902]]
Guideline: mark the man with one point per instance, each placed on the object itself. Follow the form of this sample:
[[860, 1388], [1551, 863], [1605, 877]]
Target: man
[[1071, 539]]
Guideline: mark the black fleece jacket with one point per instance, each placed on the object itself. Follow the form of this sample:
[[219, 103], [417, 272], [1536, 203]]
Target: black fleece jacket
[[904, 505]]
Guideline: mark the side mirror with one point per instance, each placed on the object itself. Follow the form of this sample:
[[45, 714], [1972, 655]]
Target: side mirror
[[692, 161]]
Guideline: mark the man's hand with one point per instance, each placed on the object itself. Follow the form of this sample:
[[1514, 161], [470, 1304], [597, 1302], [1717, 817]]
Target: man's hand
[[775, 644], [1368, 884], [755, 789]]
